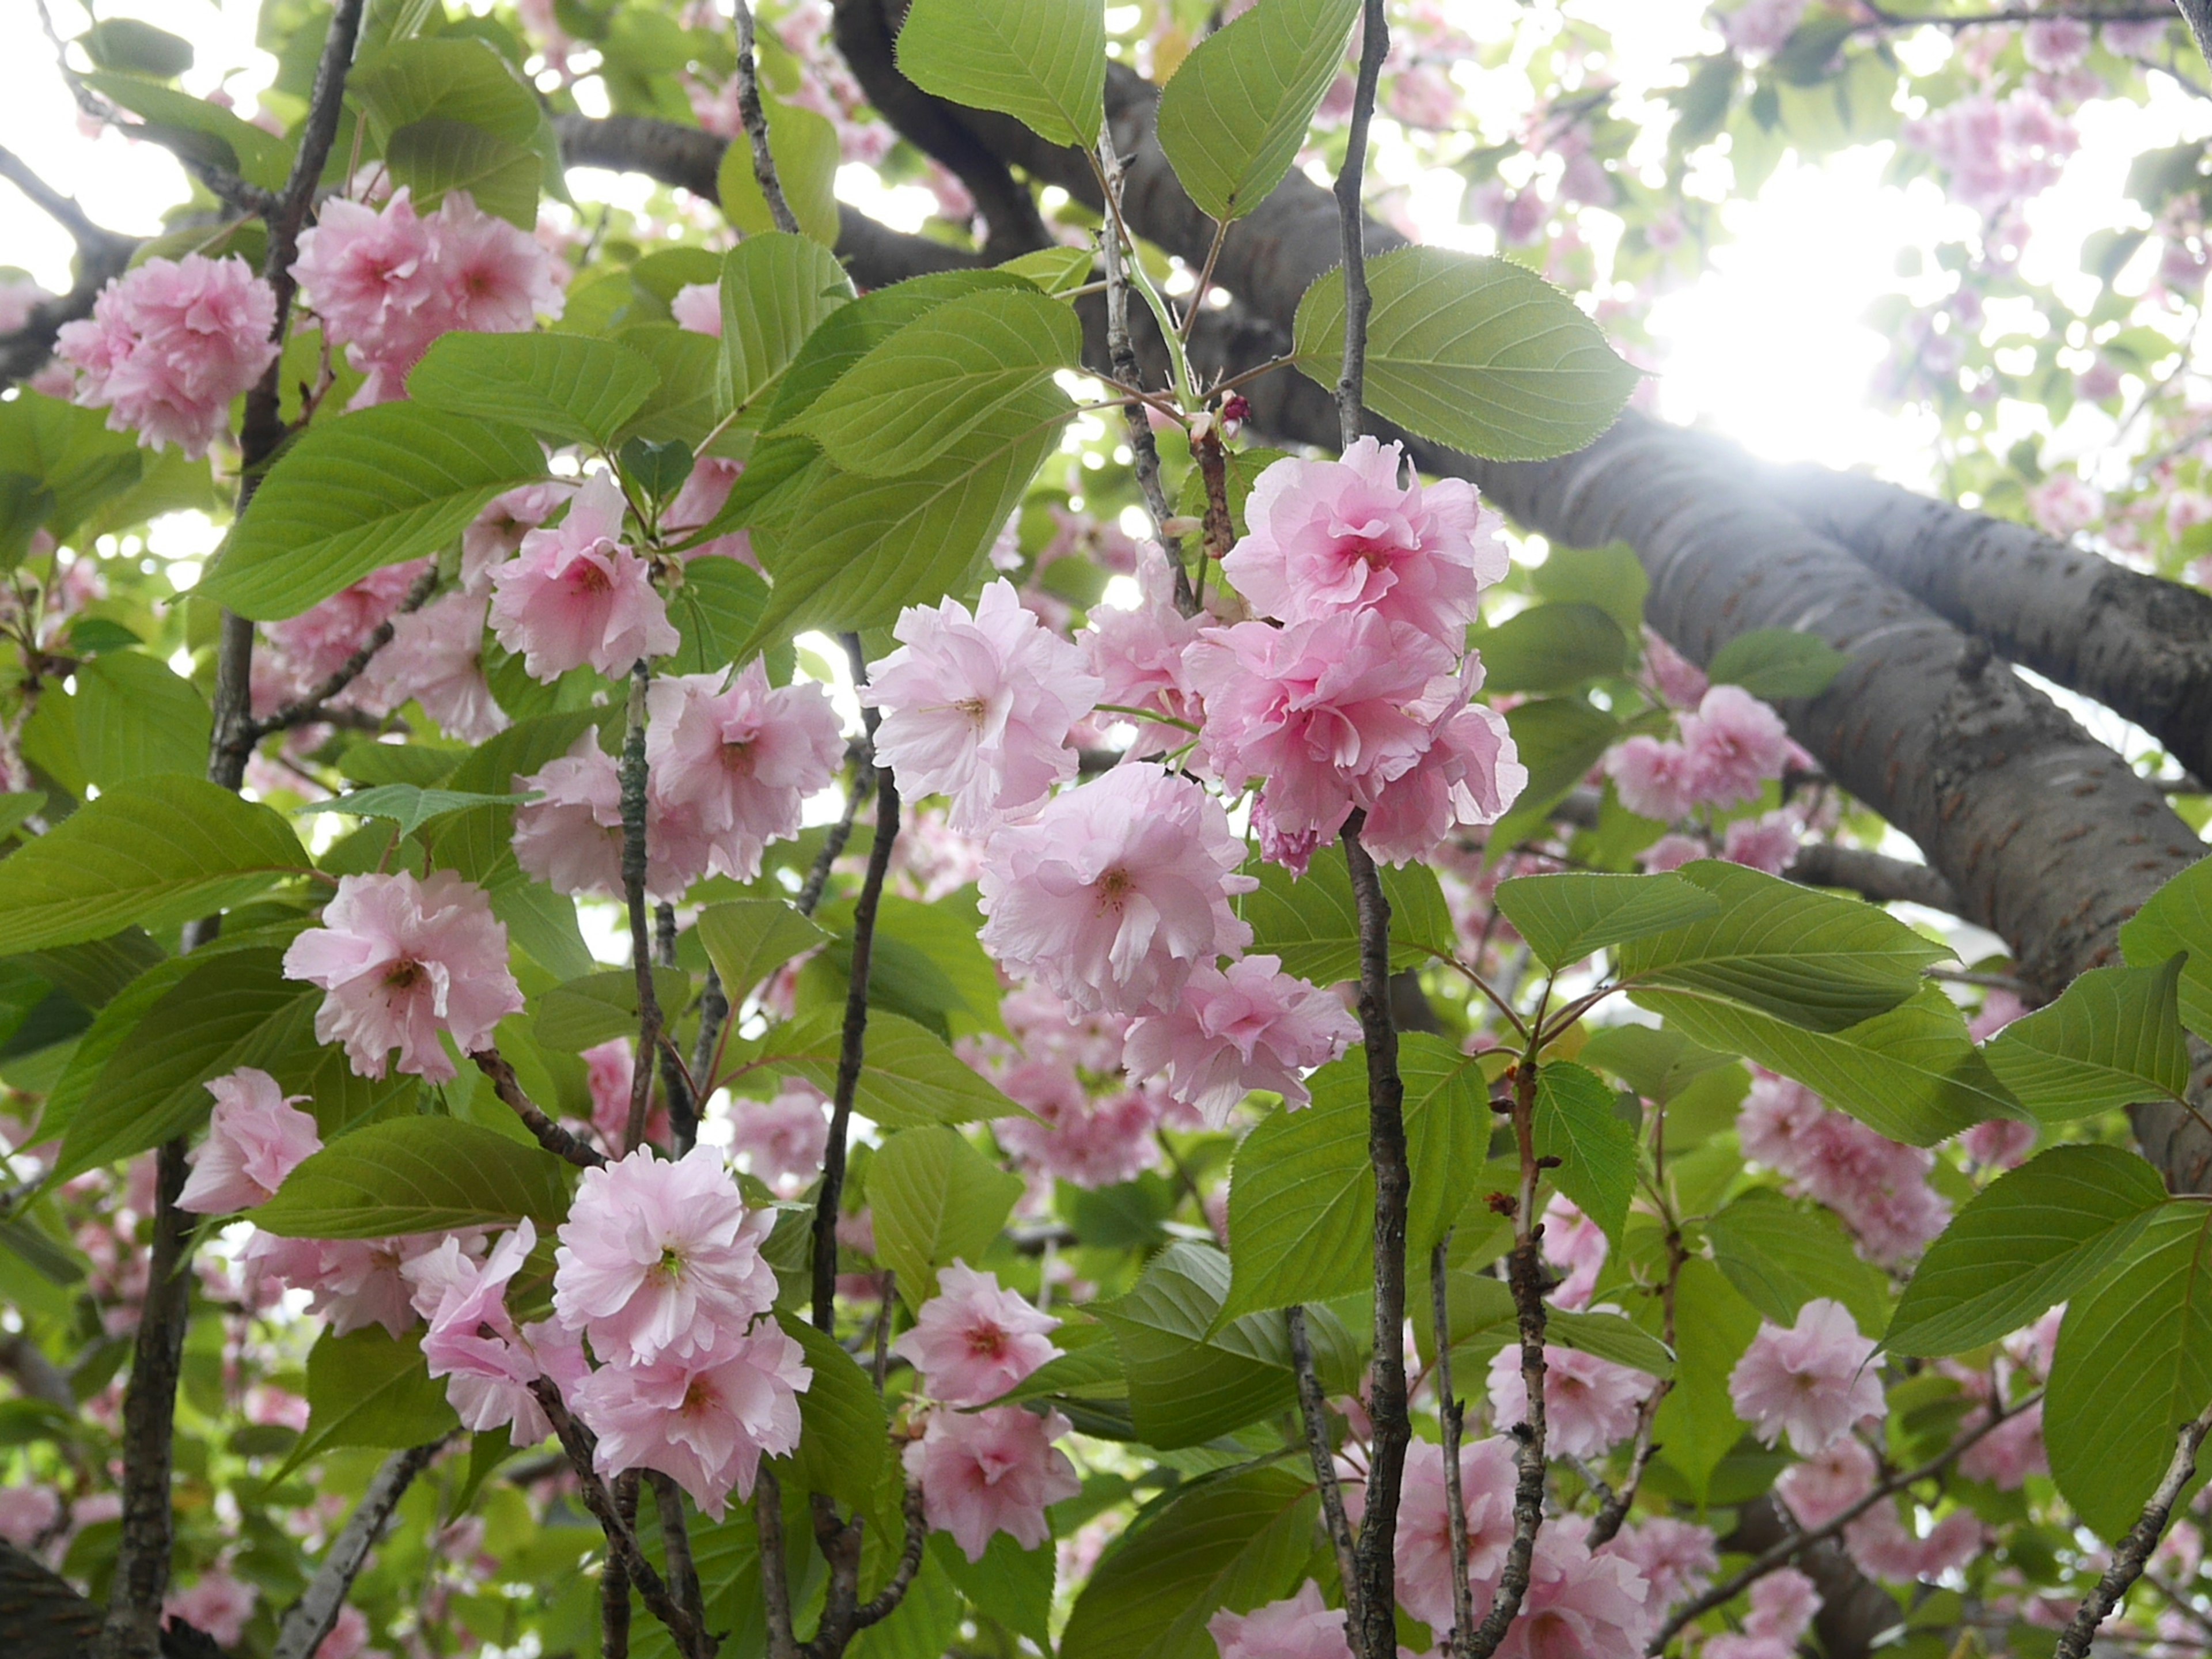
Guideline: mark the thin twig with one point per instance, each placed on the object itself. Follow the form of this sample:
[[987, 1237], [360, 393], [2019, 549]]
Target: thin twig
[[1351, 220], [677, 1080], [310, 708], [62, 209], [614, 1577], [675, 1546], [1313, 1408], [1449, 1415], [2134, 1551], [315, 1614], [775, 1569], [634, 867], [551, 1135], [755, 119]]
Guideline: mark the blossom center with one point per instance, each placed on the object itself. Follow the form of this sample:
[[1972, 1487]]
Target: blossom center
[[1114, 889], [987, 1340], [403, 975]]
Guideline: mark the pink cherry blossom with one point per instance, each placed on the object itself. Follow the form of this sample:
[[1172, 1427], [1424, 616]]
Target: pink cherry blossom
[[27, 1514], [661, 1257], [1997, 154], [1760, 29], [348, 1635], [473, 1343], [1589, 1404], [704, 1421], [1423, 1534], [1735, 745], [1877, 1186], [1672, 853], [1812, 1381], [2054, 44], [2134, 39], [168, 344], [435, 658], [1303, 1627], [1332, 536], [495, 278], [1252, 1027], [18, 297], [317, 643], [1884, 1545], [1677, 679], [1572, 1241], [1117, 892], [2000, 1144], [351, 1283], [986, 1472], [369, 273], [1768, 843], [1782, 1606], [2009, 1453], [1652, 777], [1087, 1141], [404, 960], [978, 707], [972, 1341], [782, 1139], [577, 594], [217, 1605], [572, 839], [1137, 656], [698, 307], [1579, 1605], [1828, 1482], [703, 495], [1676, 1559], [1467, 775], [256, 1137], [607, 1073], [498, 531], [1319, 710], [739, 761]]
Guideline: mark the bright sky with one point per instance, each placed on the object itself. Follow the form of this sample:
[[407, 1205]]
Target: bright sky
[[1771, 346]]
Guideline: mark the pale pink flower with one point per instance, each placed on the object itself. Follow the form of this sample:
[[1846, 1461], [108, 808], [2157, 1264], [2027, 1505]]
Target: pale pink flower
[[577, 594], [256, 1137], [1138, 657], [1677, 1558], [1332, 536], [351, 1283], [572, 838], [27, 1514], [1768, 843], [1652, 777], [698, 307], [435, 658], [1579, 1605], [1735, 744], [2009, 1453], [1572, 1241], [1252, 1027], [404, 960], [1760, 29], [1672, 853], [989, 1472], [2064, 505], [739, 762], [495, 279], [1879, 1187], [978, 707], [1117, 892], [1468, 775], [2000, 1144], [1782, 1606], [608, 1075], [1423, 95], [1087, 1141], [1731, 1644], [1589, 1404], [473, 1343], [1678, 680], [498, 531], [1303, 1627], [2035, 1347], [368, 275], [18, 297], [1997, 154], [1885, 1547], [1318, 710], [703, 495], [1812, 1381], [704, 1421], [782, 1139], [168, 344], [348, 1635], [661, 1257], [1424, 1551], [216, 1605], [1828, 1482], [2054, 44], [973, 1341], [2134, 39], [1998, 1010], [317, 642]]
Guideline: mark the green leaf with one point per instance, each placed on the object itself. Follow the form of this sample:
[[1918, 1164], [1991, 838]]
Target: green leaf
[[1312, 921], [1782, 1255], [2032, 1238], [1483, 355], [1608, 1336], [2134, 1364], [776, 289], [137, 719], [237, 1009], [1657, 1064], [1567, 916], [1777, 663], [852, 552], [918, 394], [360, 491], [1913, 1074], [910, 1079], [927, 1624], [1042, 61], [1055, 270], [1189, 1381], [2114, 1038], [369, 1388], [596, 1008], [61, 464], [688, 405], [409, 805], [1234, 115], [1814, 959], [1236, 1542], [2178, 918], [214, 134], [1697, 1423], [805, 147], [1558, 739], [453, 78], [1302, 1189], [717, 611], [935, 1197], [1010, 1584], [418, 1174], [435, 156], [844, 1436], [126, 44], [154, 852], [561, 387], [1551, 648], [1579, 1122], [1611, 578], [747, 939]]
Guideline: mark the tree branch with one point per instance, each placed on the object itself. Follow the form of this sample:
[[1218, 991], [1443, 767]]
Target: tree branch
[[2133, 1552], [1313, 1411], [1351, 220], [551, 1135], [1450, 1415], [315, 1614], [754, 119], [311, 708], [634, 865], [1871, 876]]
